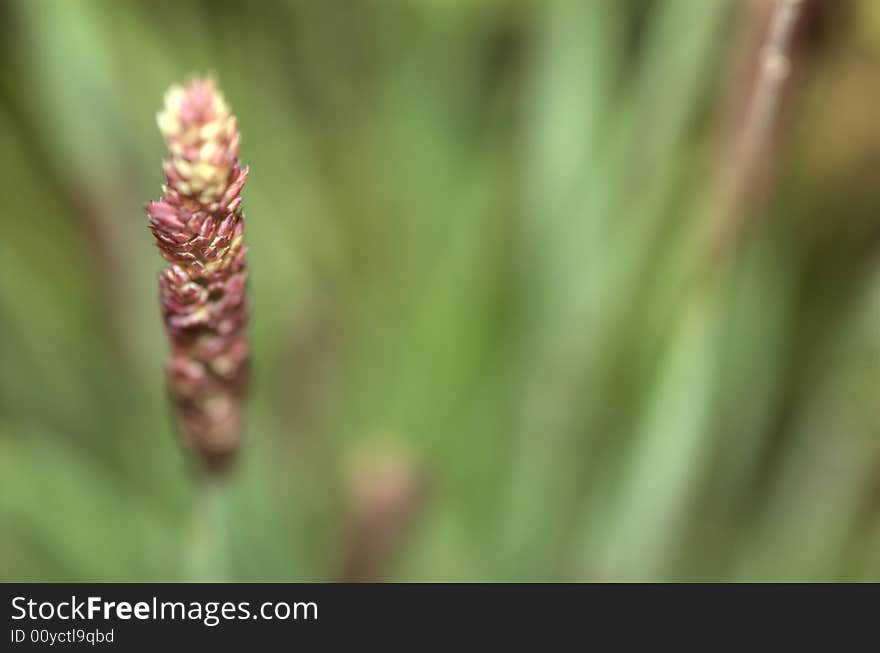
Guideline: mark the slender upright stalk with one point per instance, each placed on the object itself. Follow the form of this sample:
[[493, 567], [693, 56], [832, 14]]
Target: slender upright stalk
[[753, 137], [199, 229], [205, 552]]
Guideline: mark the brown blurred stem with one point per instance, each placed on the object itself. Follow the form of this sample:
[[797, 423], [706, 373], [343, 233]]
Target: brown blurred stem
[[747, 159]]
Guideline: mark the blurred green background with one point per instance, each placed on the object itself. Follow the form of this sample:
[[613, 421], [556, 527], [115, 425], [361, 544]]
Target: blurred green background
[[490, 342]]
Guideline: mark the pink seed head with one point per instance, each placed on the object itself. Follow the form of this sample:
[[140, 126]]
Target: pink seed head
[[199, 227]]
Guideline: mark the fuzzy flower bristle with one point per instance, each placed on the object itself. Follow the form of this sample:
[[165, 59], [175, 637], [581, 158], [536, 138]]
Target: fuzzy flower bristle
[[199, 229]]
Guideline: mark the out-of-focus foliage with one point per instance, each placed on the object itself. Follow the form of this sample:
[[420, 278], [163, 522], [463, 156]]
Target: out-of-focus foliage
[[480, 350]]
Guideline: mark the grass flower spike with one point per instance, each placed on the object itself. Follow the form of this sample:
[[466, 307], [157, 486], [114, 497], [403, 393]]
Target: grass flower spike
[[199, 229]]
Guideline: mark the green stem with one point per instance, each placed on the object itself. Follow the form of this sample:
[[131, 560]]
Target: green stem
[[205, 550]]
